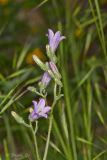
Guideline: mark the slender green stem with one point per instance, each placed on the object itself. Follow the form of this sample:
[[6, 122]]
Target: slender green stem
[[50, 124], [35, 142], [49, 133], [48, 138]]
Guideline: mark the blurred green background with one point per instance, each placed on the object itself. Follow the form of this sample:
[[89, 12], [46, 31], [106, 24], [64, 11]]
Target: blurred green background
[[80, 118]]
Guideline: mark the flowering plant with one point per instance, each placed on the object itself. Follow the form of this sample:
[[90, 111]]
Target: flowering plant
[[41, 110]]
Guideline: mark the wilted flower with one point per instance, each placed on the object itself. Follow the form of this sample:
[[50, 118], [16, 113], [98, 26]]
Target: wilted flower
[[40, 110], [54, 39], [46, 78]]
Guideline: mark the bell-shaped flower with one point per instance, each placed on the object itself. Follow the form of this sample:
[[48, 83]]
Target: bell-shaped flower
[[54, 39], [40, 110]]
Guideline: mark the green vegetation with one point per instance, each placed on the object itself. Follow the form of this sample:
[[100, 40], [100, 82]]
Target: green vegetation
[[79, 130]]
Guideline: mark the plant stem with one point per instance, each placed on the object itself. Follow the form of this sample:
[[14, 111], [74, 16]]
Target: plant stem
[[48, 138], [50, 124], [49, 132], [35, 143]]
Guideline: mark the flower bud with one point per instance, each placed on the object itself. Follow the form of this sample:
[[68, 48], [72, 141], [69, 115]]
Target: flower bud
[[54, 70], [39, 63], [46, 78]]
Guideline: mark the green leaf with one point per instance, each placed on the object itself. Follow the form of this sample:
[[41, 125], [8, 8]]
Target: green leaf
[[99, 155], [22, 55]]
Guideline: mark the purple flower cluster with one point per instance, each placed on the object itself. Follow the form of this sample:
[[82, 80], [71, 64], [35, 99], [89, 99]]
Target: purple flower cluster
[[40, 110]]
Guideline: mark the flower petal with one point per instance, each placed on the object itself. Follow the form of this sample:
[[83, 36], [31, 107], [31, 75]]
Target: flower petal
[[46, 79], [57, 35], [41, 104], [46, 109], [45, 115], [33, 116], [50, 34], [62, 37], [42, 114], [56, 40], [35, 105]]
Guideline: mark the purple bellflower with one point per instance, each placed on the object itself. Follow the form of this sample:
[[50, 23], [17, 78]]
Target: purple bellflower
[[54, 39], [40, 110], [46, 78]]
